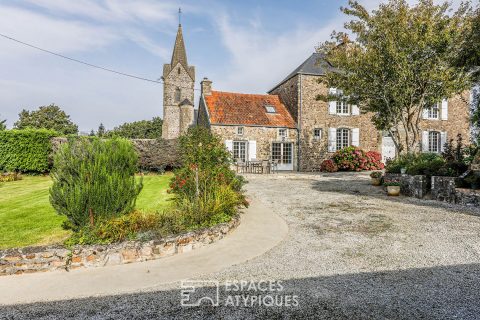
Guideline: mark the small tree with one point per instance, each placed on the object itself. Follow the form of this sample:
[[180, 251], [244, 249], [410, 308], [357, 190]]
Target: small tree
[[144, 129], [47, 117], [3, 125], [101, 130], [94, 179], [398, 63]]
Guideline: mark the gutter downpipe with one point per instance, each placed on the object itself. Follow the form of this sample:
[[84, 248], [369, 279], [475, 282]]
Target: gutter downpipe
[[299, 124]]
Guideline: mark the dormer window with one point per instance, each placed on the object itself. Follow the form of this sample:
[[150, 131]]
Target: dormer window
[[270, 109]]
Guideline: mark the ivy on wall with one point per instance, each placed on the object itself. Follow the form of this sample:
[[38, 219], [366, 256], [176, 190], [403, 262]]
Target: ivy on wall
[[26, 150]]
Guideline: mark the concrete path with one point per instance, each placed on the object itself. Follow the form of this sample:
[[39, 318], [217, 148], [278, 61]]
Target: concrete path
[[259, 231]]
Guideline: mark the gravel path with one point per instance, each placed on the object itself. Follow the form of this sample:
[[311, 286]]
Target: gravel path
[[351, 252]]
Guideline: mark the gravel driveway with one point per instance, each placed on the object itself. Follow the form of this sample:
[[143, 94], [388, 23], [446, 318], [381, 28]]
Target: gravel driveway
[[351, 253]]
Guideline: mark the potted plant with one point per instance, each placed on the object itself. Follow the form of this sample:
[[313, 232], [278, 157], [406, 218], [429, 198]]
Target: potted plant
[[376, 178], [393, 188]]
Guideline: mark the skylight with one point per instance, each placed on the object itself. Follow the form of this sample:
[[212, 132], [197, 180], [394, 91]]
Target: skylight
[[270, 108]]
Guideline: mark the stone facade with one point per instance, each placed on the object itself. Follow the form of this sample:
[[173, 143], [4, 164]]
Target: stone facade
[[178, 92], [300, 91], [41, 259], [264, 137], [310, 113]]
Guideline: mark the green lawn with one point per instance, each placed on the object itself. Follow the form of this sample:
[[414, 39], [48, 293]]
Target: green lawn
[[27, 218]]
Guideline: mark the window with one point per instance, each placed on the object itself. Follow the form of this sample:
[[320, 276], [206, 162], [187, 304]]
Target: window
[[240, 150], [433, 112], [178, 94], [270, 109], [343, 138], [434, 142], [240, 131], [317, 133], [179, 70], [282, 133], [343, 107]]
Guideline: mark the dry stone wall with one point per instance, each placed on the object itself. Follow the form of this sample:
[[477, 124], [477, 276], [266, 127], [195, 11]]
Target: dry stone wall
[[42, 259]]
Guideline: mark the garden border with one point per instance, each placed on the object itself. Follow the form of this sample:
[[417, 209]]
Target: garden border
[[50, 258]]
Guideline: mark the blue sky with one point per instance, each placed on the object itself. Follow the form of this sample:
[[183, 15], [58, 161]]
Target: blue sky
[[242, 46]]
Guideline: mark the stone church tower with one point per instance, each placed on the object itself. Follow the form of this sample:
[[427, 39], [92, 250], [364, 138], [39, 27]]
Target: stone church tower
[[178, 96]]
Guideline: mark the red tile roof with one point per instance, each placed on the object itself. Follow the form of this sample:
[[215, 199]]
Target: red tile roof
[[247, 109]]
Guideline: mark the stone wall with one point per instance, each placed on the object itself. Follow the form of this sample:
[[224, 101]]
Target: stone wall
[[264, 136], [300, 94], [458, 121], [443, 188], [154, 155], [411, 186], [42, 259]]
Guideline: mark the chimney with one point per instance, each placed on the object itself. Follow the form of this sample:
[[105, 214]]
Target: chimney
[[206, 86]]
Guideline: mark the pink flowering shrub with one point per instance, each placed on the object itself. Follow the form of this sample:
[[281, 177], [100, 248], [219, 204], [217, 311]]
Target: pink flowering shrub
[[355, 159], [328, 166]]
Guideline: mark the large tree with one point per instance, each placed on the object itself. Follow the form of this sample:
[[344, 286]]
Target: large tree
[[144, 129], [396, 60], [47, 117]]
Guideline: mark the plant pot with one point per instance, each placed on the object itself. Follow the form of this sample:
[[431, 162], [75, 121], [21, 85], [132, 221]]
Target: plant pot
[[393, 191], [376, 181]]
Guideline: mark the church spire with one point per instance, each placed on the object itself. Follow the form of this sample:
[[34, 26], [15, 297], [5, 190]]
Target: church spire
[[179, 52]]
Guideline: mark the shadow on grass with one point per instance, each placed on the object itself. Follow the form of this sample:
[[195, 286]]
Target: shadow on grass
[[445, 292]]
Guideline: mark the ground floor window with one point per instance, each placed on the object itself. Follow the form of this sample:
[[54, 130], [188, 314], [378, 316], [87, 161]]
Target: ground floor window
[[282, 152], [343, 138], [434, 142], [240, 150]]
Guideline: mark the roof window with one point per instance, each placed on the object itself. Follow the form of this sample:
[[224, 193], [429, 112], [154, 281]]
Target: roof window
[[270, 108]]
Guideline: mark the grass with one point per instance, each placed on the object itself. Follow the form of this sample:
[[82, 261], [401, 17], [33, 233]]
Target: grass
[[27, 218]]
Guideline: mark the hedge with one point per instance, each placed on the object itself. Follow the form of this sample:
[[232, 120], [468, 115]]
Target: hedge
[[26, 150]]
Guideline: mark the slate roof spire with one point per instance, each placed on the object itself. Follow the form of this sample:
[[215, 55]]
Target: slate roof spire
[[179, 53]]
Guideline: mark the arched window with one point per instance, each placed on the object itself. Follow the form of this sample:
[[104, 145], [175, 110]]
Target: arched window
[[178, 94], [343, 138]]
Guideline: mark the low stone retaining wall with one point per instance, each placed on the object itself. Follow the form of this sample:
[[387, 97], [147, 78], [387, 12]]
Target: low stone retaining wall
[[444, 189], [41, 259], [411, 186]]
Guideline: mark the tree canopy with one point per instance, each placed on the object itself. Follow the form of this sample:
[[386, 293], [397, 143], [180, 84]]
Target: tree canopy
[[397, 61], [144, 129], [47, 117]]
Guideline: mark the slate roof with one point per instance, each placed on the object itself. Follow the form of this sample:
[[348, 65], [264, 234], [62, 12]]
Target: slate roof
[[315, 65], [227, 108]]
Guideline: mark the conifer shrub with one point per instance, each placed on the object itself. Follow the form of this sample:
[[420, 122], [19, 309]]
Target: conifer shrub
[[94, 180]]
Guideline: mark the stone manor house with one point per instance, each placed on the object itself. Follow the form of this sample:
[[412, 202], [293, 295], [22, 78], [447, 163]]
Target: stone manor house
[[290, 124]]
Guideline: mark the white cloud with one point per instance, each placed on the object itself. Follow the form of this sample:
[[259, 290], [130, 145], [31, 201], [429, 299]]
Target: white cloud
[[260, 59], [55, 34]]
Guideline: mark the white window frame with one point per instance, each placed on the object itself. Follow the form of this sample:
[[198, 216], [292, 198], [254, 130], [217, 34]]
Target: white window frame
[[343, 138], [240, 131], [282, 133], [434, 146], [319, 135], [270, 108], [433, 112], [237, 150], [342, 108]]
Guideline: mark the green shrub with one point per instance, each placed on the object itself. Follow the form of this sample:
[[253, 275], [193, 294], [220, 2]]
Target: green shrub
[[206, 190], [26, 150], [94, 180]]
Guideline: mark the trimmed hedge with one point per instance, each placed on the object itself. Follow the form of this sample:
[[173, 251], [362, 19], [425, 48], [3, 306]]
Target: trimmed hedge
[[26, 150]]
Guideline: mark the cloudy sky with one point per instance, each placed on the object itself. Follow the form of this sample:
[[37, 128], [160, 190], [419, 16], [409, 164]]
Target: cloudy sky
[[242, 46]]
